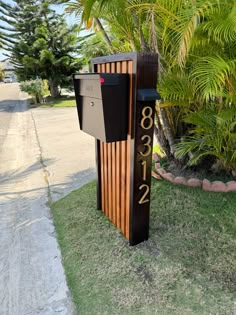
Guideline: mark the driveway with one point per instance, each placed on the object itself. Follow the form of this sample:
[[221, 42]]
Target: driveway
[[43, 156]]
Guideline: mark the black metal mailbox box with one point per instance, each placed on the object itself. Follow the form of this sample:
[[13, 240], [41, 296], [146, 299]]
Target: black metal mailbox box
[[102, 104]]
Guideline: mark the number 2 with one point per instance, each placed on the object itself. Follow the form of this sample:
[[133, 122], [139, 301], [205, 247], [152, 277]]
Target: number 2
[[147, 189]]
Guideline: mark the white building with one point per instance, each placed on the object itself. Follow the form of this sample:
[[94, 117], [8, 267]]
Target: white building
[[8, 68]]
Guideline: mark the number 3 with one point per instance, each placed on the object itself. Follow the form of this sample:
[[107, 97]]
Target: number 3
[[147, 144]]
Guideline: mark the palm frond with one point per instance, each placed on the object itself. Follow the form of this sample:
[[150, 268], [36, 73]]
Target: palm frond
[[210, 74]]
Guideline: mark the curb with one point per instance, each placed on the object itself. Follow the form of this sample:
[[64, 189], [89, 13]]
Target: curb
[[205, 184]]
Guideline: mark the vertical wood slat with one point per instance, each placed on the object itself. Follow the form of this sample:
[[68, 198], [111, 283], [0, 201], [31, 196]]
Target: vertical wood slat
[[115, 168]]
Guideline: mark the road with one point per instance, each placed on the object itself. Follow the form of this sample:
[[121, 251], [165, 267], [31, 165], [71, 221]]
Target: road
[[9, 97], [32, 279]]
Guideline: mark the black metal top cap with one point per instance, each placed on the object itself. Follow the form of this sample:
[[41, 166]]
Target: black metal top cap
[[145, 95]]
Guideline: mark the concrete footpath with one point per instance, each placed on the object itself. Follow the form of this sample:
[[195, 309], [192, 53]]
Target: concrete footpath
[[44, 156]]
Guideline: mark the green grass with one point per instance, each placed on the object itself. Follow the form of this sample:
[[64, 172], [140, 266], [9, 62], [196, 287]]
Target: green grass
[[61, 102], [187, 267]]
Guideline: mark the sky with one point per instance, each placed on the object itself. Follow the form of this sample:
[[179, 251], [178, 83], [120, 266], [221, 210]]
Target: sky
[[59, 9]]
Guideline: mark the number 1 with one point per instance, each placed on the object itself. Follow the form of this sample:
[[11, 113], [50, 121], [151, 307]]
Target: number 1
[[144, 170]]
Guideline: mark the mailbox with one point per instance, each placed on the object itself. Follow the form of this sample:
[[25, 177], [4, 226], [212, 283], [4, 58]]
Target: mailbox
[[102, 104]]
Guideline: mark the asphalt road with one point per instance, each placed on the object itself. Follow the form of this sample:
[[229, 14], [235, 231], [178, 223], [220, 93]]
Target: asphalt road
[[9, 97]]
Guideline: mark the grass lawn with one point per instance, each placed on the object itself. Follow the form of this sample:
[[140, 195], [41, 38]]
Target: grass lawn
[[61, 102], [188, 266]]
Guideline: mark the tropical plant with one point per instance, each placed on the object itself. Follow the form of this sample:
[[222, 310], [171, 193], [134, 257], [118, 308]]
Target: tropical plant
[[195, 41], [198, 61], [121, 27], [36, 88], [213, 133]]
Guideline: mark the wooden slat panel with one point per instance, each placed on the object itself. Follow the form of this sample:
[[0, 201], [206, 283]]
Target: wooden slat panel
[[116, 166]]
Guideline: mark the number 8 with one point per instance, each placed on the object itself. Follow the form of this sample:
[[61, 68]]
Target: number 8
[[147, 117]]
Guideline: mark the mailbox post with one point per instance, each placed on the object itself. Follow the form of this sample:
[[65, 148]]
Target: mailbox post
[[121, 118]]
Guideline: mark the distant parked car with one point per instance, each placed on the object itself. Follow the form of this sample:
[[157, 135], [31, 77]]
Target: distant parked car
[[7, 80]]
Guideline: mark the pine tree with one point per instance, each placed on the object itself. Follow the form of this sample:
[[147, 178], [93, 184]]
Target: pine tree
[[43, 46]]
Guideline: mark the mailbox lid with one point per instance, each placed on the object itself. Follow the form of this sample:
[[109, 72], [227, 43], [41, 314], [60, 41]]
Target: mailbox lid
[[91, 84], [88, 85]]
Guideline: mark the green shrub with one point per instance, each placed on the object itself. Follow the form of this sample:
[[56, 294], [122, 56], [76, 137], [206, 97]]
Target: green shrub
[[2, 74], [213, 133], [37, 88]]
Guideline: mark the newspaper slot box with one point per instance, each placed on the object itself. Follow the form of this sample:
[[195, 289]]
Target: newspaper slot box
[[102, 104]]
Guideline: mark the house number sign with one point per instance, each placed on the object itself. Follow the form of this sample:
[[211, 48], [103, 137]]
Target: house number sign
[[144, 127], [146, 124], [144, 153]]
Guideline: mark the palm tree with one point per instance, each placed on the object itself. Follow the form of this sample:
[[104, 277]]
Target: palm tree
[[121, 22], [195, 41], [197, 51]]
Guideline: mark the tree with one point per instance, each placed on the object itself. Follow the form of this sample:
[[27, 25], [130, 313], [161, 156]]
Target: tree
[[45, 46], [5, 30], [199, 72], [195, 41], [121, 26]]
